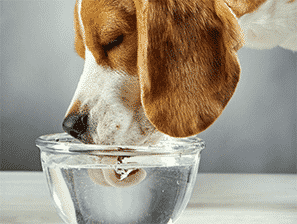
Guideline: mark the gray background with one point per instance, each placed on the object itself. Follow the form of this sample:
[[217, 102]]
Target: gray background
[[40, 70]]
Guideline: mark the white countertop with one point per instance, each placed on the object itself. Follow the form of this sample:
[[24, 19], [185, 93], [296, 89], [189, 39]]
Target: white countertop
[[216, 199]]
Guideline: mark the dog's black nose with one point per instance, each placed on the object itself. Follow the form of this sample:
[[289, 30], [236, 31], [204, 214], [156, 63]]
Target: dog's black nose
[[76, 125]]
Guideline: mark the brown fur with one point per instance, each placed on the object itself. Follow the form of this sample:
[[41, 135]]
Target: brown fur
[[192, 69], [104, 21], [75, 109], [78, 42]]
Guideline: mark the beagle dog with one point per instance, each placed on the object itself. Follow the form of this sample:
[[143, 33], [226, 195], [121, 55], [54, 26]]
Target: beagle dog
[[169, 66], [155, 67]]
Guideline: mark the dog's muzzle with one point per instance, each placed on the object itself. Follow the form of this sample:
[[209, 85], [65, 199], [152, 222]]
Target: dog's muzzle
[[77, 126]]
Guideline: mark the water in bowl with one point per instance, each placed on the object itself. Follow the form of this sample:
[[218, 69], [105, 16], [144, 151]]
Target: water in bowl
[[159, 198]]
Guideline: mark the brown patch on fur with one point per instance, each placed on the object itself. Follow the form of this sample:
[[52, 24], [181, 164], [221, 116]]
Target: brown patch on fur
[[78, 109], [78, 41], [192, 69], [75, 109], [291, 1], [241, 7], [103, 22]]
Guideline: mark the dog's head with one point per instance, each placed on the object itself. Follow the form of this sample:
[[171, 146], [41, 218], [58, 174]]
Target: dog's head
[[152, 67]]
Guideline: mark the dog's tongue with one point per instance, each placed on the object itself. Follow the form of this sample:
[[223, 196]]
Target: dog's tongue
[[116, 177]]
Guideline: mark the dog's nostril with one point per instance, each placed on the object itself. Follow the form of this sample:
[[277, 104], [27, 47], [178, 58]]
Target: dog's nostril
[[75, 125]]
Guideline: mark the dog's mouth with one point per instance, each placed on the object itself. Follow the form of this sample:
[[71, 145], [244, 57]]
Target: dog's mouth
[[79, 128]]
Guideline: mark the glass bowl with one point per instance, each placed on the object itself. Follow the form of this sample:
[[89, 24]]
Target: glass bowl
[[120, 184]]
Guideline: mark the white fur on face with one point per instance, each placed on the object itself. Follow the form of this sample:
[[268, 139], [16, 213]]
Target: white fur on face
[[108, 94]]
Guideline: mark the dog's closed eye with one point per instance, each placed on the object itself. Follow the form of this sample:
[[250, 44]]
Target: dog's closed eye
[[113, 43]]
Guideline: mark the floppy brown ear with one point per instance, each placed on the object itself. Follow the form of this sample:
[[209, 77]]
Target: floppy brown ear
[[187, 62]]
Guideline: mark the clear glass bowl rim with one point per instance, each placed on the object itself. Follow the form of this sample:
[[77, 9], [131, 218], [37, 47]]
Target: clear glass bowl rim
[[167, 146]]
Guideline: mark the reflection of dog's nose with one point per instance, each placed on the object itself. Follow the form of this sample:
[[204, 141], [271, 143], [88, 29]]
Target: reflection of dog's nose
[[76, 125]]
